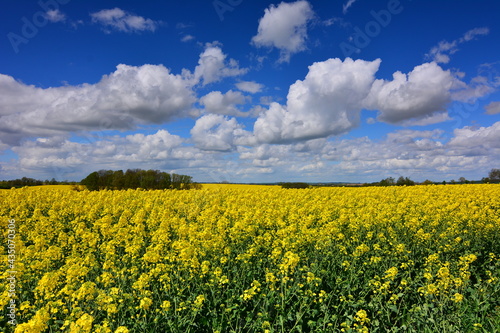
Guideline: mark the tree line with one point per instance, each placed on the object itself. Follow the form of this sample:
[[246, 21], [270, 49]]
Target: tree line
[[137, 178], [390, 181], [25, 181], [294, 185]]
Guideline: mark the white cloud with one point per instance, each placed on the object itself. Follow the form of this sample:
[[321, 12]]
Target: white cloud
[[328, 102], [225, 104], [213, 66], [416, 154], [478, 87], [187, 38], [472, 138], [55, 15], [347, 5], [63, 158], [471, 34], [441, 53], [122, 100], [410, 153], [120, 20], [127, 97], [285, 28], [419, 94], [434, 118], [250, 86], [216, 132], [493, 108]]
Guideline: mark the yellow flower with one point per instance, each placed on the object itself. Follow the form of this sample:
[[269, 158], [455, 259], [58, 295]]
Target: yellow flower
[[362, 317], [457, 298], [145, 303], [391, 273], [165, 305], [83, 324], [198, 302]]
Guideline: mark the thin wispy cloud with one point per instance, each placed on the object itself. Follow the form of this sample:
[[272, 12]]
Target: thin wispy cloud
[[441, 53], [347, 6], [187, 38], [55, 16], [120, 20]]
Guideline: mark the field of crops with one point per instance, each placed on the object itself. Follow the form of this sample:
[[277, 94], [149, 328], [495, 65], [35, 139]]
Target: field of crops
[[252, 259]]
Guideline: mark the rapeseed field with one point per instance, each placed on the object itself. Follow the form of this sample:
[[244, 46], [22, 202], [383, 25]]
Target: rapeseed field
[[252, 259]]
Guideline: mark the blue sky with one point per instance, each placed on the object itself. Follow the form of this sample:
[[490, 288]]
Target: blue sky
[[251, 91]]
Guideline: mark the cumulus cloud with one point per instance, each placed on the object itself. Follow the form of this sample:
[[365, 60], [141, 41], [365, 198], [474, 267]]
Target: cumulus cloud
[[225, 104], [416, 154], [284, 27], [122, 100], [471, 138], [127, 97], [419, 94], [441, 53], [66, 159], [250, 86], [327, 102], [213, 66], [119, 20], [216, 132], [493, 108], [410, 153]]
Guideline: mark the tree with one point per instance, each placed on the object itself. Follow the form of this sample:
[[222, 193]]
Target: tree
[[405, 181], [105, 179], [91, 181], [494, 175], [294, 185], [387, 182], [137, 178], [118, 180], [427, 182], [463, 180]]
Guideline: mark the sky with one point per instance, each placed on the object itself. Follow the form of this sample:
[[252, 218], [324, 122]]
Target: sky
[[251, 91]]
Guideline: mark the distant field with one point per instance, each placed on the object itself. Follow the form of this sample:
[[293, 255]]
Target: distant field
[[245, 258], [47, 187], [236, 186], [205, 186]]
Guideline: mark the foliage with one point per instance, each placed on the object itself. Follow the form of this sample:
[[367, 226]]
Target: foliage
[[405, 181], [26, 181], [136, 178], [494, 176], [255, 259], [390, 181], [294, 185], [387, 182]]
